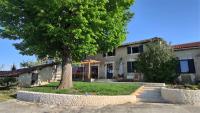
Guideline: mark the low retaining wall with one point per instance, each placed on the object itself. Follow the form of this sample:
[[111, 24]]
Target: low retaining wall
[[181, 96], [153, 84], [74, 100]]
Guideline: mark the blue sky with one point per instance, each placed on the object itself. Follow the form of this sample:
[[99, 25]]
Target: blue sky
[[177, 21]]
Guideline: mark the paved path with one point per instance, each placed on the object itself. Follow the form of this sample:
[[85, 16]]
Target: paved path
[[150, 94], [13, 106]]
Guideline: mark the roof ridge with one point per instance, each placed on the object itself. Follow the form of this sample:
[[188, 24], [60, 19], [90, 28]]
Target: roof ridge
[[187, 43]]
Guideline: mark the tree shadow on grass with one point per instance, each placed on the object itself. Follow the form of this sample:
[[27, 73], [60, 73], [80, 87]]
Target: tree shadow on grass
[[14, 96]]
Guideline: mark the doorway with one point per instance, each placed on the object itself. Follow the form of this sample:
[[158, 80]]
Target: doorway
[[34, 78], [109, 70], [94, 72]]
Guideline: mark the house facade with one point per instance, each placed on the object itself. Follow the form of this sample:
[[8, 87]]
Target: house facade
[[121, 61]]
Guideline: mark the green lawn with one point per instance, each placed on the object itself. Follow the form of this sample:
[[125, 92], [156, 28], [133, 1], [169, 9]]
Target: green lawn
[[6, 94], [89, 88]]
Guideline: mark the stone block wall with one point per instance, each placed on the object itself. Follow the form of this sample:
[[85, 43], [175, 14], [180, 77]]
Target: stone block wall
[[181, 96], [74, 100]]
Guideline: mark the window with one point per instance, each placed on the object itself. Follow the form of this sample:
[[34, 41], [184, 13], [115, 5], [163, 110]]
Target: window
[[104, 54], [129, 50], [131, 67], [186, 66], [111, 53], [135, 49], [141, 49]]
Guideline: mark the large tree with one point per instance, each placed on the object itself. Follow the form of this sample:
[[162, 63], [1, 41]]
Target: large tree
[[158, 63], [66, 29]]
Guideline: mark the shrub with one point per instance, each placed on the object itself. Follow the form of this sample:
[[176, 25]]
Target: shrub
[[7, 81], [158, 63], [1, 82]]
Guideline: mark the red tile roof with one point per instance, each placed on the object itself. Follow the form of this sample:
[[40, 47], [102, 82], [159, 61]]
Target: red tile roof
[[187, 46], [17, 72]]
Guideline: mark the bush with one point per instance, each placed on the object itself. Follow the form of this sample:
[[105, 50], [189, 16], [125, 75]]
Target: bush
[[199, 85], [158, 63], [7, 81], [1, 82]]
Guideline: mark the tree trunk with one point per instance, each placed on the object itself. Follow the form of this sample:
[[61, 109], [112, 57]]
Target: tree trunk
[[66, 77]]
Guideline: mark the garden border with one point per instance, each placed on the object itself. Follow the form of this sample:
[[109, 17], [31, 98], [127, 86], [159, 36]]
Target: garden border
[[74, 100], [181, 96]]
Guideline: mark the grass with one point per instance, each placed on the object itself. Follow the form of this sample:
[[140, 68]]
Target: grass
[[7, 93], [89, 88]]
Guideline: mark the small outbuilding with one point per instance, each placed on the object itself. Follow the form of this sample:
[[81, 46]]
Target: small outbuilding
[[34, 76]]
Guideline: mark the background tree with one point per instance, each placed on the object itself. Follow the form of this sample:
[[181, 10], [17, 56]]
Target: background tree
[[158, 63], [13, 67], [1, 67], [39, 61], [27, 64], [65, 29]]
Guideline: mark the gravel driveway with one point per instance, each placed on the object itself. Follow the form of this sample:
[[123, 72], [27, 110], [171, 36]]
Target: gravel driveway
[[14, 106]]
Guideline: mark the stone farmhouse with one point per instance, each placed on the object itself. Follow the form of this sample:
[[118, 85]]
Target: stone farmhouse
[[120, 63], [117, 64]]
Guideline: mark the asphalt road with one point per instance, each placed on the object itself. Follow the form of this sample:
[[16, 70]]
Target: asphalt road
[[14, 106]]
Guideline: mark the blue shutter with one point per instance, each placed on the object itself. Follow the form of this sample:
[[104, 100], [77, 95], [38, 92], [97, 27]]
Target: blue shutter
[[129, 67], [191, 66], [128, 50], [178, 69], [141, 49]]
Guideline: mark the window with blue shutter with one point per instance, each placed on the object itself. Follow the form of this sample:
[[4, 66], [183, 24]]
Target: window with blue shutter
[[131, 67], [191, 66], [111, 53], [135, 50], [128, 50], [141, 49], [186, 66]]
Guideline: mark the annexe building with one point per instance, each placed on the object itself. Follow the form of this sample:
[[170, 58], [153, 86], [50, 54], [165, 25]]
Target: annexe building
[[34, 76], [189, 61]]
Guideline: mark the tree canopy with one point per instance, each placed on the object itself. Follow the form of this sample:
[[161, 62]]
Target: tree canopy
[[158, 63], [80, 27], [65, 29]]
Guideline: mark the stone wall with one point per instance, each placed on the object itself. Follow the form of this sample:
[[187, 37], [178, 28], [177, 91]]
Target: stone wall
[[74, 100], [24, 80], [45, 75], [181, 96]]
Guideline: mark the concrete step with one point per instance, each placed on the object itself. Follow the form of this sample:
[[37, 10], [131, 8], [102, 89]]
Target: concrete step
[[150, 94], [153, 100], [104, 80], [153, 84]]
